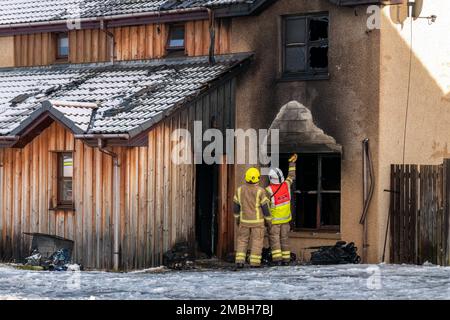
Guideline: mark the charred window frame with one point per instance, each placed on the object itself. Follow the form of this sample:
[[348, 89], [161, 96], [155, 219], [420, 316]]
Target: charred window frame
[[305, 47], [316, 191], [62, 46], [65, 179], [176, 39]]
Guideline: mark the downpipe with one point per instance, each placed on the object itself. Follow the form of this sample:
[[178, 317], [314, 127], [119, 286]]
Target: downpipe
[[116, 205], [368, 189]]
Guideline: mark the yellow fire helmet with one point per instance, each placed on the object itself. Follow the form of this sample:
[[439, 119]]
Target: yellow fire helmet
[[252, 175]]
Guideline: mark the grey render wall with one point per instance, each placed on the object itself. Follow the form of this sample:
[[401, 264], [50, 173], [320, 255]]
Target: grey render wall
[[345, 106]]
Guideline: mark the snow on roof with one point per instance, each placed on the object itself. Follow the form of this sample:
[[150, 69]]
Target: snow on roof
[[28, 11], [129, 94]]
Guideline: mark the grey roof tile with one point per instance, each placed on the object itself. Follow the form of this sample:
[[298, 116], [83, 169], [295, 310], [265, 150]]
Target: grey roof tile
[[128, 93], [27, 11]]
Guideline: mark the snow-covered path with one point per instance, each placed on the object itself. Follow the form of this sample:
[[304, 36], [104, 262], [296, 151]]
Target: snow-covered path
[[302, 282]]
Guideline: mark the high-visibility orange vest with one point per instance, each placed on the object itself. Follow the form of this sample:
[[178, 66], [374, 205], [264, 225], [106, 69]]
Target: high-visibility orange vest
[[280, 202]]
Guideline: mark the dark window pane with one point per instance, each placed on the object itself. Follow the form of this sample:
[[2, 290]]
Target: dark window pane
[[63, 46], [318, 29], [307, 173], [295, 59], [331, 209], [318, 57], [306, 205], [67, 190], [295, 30], [331, 173], [176, 37]]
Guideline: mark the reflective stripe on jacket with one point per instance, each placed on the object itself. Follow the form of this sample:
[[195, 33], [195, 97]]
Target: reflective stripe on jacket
[[250, 198]]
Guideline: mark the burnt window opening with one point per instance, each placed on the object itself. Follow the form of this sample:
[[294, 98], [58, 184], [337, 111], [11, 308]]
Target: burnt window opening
[[305, 47], [316, 191], [176, 39], [62, 46], [65, 179]]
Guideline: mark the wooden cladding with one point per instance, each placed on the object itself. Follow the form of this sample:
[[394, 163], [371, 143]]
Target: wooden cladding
[[28, 193], [144, 195], [34, 49], [88, 46], [131, 43]]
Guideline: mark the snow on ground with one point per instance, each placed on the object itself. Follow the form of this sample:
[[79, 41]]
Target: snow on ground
[[300, 282]]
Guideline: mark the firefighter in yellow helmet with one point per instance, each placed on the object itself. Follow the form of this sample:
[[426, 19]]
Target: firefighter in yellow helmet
[[251, 209], [279, 192]]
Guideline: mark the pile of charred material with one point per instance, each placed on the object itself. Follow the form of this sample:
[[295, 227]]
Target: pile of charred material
[[180, 257], [51, 253], [340, 253]]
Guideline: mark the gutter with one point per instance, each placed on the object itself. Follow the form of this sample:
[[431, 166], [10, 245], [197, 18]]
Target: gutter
[[198, 13], [9, 138], [99, 19], [125, 136]]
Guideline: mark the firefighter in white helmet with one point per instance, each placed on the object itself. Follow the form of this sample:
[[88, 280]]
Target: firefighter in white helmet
[[279, 192]]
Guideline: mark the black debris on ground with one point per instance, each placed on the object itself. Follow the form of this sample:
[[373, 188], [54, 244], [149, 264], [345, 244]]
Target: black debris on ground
[[180, 257], [340, 253]]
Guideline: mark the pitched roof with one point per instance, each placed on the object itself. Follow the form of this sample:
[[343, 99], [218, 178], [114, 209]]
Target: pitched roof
[[127, 97], [29, 11]]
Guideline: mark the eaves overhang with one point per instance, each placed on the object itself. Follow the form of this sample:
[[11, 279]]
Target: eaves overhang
[[139, 18]]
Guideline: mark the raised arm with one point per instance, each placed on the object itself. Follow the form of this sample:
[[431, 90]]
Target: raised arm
[[292, 167]]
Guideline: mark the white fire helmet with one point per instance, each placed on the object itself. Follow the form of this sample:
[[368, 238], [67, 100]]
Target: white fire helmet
[[276, 176]]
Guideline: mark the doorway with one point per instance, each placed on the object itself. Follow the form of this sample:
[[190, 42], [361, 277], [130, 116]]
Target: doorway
[[206, 220]]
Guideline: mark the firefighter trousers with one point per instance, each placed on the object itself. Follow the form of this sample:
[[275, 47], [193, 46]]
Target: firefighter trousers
[[254, 236], [279, 242]]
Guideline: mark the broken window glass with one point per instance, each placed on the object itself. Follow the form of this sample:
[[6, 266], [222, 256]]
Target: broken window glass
[[318, 57], [318, 29], [305, 45]]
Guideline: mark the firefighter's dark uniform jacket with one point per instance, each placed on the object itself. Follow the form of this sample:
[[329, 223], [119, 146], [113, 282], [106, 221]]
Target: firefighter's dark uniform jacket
[[251, 208]]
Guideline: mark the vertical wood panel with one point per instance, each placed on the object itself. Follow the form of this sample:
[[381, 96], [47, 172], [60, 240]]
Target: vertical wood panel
[[133, 42]]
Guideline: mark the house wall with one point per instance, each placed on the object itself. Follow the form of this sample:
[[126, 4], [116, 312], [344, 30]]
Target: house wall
[[6, 51], [152, 192], [131, 43], [345, 106], [153, 197], [428, 117]]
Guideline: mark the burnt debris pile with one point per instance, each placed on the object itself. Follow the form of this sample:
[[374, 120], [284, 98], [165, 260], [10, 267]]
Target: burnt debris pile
[[340, 253]]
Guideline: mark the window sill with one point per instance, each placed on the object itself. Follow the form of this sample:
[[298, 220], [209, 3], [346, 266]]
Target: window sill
[[61, 61], [63, 208], [316, 235], [304, 77]]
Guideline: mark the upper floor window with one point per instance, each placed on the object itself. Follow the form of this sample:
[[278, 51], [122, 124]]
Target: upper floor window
[[305, 47], [175, 42], [62, 46]]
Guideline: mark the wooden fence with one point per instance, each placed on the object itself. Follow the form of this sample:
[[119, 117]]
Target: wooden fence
[[419, 213]]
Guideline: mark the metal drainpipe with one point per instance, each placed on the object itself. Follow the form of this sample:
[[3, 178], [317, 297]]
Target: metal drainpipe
[[112, 40], [368, 190], [116, 205]]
